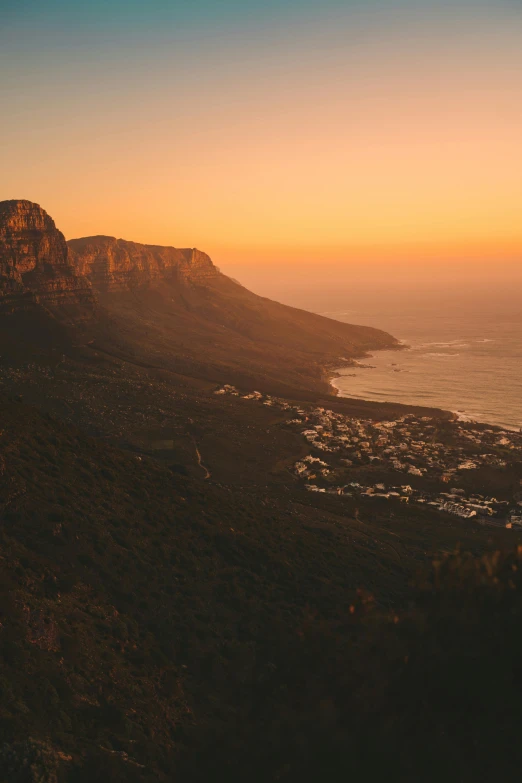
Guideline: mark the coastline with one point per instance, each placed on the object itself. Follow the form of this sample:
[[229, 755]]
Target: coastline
[[332, 369], [454, 415]]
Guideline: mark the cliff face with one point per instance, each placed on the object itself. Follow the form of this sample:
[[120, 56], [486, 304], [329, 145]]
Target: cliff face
[[142, 301], [117, 265], [38, 266], [34, 264]]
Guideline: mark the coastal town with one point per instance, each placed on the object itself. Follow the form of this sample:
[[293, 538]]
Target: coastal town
[[413, 459]]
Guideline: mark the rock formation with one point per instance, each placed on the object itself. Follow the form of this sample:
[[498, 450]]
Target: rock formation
[[34, 264], [158, 306], [116, 264]]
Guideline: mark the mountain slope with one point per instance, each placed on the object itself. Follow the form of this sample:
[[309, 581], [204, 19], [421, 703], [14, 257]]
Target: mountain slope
[[137, 604], [181, 312], [173, 605], [161, 307]]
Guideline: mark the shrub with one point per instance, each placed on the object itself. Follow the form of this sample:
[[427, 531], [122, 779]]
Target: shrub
[[30, 761]]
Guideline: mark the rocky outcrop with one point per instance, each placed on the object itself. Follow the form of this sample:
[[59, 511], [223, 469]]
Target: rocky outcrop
[[37, 266], [34, 264], [137, 301], [117, 265]]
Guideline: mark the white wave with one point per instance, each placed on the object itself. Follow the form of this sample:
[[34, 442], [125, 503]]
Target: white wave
[[463, 416], [444, 355], [447, 344]]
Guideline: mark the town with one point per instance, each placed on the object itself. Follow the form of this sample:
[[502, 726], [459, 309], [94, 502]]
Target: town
[[345, 452]]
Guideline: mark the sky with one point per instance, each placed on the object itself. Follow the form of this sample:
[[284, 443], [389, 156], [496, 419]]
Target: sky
[[270, 132]]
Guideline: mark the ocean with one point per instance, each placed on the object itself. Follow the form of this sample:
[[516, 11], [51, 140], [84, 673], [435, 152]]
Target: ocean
[[464, 354], [464, 341]]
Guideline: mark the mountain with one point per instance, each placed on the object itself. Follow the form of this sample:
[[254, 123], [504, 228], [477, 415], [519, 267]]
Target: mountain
[[34, 264], [162, 307], [182, 311], [117, 265], [174, 605]]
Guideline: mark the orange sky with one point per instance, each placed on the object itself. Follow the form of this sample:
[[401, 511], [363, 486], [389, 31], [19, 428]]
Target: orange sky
[[337, 136]]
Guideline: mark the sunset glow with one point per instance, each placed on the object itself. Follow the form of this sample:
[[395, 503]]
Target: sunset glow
[[383, 131]]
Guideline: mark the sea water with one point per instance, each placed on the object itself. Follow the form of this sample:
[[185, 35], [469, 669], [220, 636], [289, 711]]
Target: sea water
[[463, 338], [464, 354]]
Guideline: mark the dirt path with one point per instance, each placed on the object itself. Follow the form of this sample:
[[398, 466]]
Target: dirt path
[[200, 463]]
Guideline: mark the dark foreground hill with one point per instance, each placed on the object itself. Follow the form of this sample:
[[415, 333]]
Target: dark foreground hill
[[155, 628]]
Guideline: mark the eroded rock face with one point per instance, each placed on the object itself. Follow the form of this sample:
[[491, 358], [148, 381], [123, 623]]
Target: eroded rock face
[[34, 263], [115, 264]]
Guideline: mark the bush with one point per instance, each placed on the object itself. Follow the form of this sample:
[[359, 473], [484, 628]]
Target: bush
[[431, 693], [30, 761]]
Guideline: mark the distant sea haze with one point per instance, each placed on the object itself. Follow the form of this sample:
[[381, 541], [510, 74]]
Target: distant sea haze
[[464, 354], [464, 338]]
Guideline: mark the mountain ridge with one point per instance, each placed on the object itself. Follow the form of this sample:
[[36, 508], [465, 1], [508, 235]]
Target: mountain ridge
[[161, 620], [116, 264], [166, 307]]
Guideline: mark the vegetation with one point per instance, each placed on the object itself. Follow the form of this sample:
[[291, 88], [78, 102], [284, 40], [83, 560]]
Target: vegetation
[[30, 761], [174, 607], [156, 627], [428, 693]]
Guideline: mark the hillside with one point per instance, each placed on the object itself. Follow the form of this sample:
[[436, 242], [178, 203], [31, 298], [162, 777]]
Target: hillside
[[174, 605], [134, 595], [165, 307], [173, 308]]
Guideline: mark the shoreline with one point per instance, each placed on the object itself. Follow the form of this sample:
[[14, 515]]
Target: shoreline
[[456, 415], [331, 370]]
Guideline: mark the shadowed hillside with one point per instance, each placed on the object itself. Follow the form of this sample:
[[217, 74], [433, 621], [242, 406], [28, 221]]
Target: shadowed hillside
[[153, 624], [164, 307], [173, 605], [173, 308]]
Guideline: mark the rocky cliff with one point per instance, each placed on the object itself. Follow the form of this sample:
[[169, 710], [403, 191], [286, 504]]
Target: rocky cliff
[[34, 264], [117, 265], [159, 307]]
